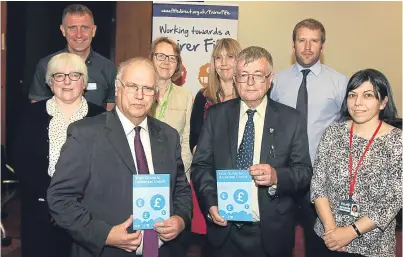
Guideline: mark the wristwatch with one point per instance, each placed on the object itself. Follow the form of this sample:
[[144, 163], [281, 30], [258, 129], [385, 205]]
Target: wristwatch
[[356, 230], [272, 190]]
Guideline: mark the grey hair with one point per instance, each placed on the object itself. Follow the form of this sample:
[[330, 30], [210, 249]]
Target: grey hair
[[66, 59], [132, 61], [77, 9], [253, 53]]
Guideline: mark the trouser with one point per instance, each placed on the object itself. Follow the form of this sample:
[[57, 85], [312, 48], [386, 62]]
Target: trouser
[[306, 217], [246, 241]]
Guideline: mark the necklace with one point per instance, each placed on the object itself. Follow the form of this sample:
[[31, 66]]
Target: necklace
[[224, 95], [228, 95]]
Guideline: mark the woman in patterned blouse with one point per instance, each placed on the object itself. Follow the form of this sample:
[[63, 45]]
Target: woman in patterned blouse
[[356, 185]]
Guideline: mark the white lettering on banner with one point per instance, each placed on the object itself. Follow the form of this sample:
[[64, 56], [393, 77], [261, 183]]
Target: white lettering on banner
[[195, 28]]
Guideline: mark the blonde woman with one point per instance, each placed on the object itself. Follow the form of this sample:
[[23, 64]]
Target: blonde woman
[[42, 131], [220, 85], [220, 88]]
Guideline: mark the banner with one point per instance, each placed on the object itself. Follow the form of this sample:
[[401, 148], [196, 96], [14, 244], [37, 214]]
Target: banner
[[195, 28]]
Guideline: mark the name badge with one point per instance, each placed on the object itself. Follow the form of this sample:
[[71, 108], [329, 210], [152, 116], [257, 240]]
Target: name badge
[[349, 207], [92, 86]]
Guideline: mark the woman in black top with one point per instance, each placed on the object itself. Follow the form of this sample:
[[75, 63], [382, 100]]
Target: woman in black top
[[220, 85], [41, 133], [220, 88]]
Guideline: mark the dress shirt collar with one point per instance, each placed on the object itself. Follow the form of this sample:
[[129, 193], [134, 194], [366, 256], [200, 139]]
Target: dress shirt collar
[[261, 109], [316, 69], [128, 126]]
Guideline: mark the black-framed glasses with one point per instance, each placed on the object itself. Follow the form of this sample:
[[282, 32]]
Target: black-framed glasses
[[73, 76], [132, 88], [244, 77], [162, 57]]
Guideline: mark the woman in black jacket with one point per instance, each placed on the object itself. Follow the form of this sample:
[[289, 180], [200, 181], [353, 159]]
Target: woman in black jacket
[[41, 133]]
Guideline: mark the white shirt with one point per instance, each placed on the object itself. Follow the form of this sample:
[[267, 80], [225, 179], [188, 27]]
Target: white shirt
[[258, 120], [128, 127]]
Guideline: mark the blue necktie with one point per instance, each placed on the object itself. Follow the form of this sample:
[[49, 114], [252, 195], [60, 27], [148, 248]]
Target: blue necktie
[[244, 158], [150, 239]]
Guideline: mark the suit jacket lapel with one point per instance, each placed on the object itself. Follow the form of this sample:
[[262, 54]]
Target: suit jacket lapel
[[269, 129], [117, 137], [233, 127], [157, 145]]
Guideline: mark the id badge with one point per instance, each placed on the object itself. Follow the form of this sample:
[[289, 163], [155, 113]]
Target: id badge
[[92, 86], [349, 207]]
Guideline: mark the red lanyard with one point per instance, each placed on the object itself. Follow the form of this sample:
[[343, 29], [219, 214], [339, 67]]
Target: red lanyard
[[353, 178]]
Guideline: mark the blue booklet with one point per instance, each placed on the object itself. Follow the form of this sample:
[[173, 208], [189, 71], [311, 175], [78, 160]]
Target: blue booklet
[[234, 190], [150, 200]]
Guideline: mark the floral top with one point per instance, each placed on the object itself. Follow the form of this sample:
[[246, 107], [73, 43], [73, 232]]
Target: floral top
[[378, 188]]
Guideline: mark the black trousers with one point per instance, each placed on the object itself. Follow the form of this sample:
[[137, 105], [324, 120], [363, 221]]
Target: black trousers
[[246, 241], [39, 236], [306, 217], [194, 244]]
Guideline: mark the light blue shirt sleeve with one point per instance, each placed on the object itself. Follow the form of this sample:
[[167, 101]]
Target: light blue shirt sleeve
[[326, 91]]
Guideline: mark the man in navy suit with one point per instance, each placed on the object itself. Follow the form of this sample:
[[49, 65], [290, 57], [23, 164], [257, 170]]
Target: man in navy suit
[[270, 140]]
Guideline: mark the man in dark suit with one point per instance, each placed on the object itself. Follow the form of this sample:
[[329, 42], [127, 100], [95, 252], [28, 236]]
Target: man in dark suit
[[265, 137], [91, 192]]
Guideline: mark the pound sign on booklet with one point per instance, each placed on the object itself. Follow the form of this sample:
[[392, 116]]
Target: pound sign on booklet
[[157, 203], [240, 194]]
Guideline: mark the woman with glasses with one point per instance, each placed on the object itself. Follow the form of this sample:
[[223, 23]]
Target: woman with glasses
[[220, 88], [173, 103], [357, 175], [41, 133]]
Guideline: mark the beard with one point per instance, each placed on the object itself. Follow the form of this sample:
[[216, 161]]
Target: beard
[[307, 62]]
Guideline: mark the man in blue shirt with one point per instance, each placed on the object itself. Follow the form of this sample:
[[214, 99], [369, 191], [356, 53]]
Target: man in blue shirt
[[317, 91]]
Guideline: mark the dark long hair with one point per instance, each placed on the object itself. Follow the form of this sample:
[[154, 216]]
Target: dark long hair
[[382, 88]]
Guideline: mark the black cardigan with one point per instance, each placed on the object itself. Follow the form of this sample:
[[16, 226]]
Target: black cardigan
[[196, 119], [30, 149]]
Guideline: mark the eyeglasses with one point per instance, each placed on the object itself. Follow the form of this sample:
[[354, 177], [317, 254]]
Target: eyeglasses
[[244, 77], [73, 76], [133, 89], [162, 57]]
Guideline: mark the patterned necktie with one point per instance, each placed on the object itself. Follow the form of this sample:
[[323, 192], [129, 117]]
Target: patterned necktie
[[150, 237], [302, 100], [244, 158]]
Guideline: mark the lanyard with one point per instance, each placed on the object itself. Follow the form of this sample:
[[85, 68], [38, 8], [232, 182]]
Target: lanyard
[[353, 178], [161, 114]]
